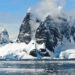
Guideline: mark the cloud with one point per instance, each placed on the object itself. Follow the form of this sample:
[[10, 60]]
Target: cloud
[[53, 7]]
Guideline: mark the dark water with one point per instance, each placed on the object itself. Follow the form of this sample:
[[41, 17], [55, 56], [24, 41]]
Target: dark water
[[39, 73], [37, 67], [29, 73]]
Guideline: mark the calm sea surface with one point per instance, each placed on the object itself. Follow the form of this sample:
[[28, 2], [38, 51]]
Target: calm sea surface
[[37, 67]]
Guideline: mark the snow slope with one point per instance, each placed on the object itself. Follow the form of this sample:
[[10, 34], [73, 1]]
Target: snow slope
[[68, 54], [23, 50], [66, 45], [16, 51]]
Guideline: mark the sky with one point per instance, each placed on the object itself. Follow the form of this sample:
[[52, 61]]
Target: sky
[[12, 12]]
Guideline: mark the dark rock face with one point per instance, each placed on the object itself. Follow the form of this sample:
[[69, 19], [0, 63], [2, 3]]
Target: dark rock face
[[49, 33], [65, 29], [73, 32], [28, 28], [33, 53], [25, 30], [40, 53]]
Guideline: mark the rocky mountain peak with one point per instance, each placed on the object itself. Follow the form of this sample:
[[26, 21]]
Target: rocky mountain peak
[[4, 36]]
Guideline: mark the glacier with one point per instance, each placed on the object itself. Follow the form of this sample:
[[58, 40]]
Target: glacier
[[15, 51], [67, 54], [19, 51]]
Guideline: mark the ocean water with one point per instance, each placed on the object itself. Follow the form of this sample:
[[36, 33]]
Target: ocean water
[[29, 73], [72, 72], [37, 67]]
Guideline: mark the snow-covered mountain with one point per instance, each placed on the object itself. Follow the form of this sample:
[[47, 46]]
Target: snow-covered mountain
[[67, 33], [51, 36], [4, 36], [28, 28], [56, 32]]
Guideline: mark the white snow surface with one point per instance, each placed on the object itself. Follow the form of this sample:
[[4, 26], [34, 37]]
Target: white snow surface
[[16, 51], [68, 54], [19, 50]]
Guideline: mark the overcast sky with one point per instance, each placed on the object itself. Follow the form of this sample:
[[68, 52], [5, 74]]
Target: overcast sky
[[12, 12]]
